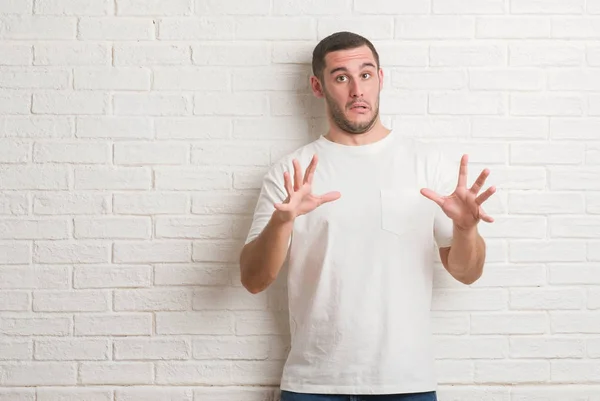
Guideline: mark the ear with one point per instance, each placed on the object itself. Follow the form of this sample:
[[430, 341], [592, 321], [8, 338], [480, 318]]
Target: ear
[[316, 87], [380, 78]]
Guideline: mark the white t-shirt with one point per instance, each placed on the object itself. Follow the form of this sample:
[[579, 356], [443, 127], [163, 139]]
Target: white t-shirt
[[360, 268]]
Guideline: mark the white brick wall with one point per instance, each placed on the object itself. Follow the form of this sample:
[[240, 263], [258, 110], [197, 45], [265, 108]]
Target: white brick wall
[[133, 137]]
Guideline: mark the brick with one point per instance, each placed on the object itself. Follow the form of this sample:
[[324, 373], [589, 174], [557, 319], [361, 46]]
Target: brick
[[16, 301], [509, 323], [151, 300], [71, 252], [547, 7], [543, 347], [231, 348], [75, 102], [575, 372], [33, 177], [222, 204], [72, 349], [570, 274], [547, 251], [33, 77], [35, 27], [550, 393], [37, 127], [271, 128], [460, 104], [119, 373], [251, 323], [509, 127], [228, 298], [232, 7], [512, 28], [459, 55], [546, 54], [15, 350], [112, 276], [191, 78], [191, 179], [232, 54], [265, 373], [457, 300], [314, 7], [203, 28], [284, 78], [547, 153], [72, 203], [33, 229], [118, 29], [450, 323], [195, 323], [575, 322], [38, 374], [74, 54], [15, 54], [431, 80], [15, 102], [122, 324], [546, 203], [14, 204], [78, 301], [151, 104], [193, 227], [223, 104], [130, 153], [151, 349], [70, 7], [74, 394], [576, 28], [12, 151], [150, 203], [194, 274], [546, 299], [582, 178], [375, 28], [434, 27], [120, 78], [593, 55], [574, 128], [34, 277], [454, 372], [462, 7], [545, 105], [113, 228], [151, 54], [506, 80], [16, 7], [512, 372], [293, 52], [153, 394], [574, 227], [222, 251], [114, 127], [35, 326], [593, 298], [236, 153], [276, 28], [472, 347], [153, 251], [193, 373], [72, 152], [119, 178], [154, 7], [470, 393], [197, 128]]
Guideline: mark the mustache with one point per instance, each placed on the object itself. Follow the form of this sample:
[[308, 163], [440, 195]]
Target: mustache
[[352, 103]]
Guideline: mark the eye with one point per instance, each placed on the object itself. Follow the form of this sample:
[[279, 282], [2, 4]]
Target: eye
[[341, 78], [366, 75]]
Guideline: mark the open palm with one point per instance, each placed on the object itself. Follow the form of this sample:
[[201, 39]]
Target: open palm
[[463, 205]]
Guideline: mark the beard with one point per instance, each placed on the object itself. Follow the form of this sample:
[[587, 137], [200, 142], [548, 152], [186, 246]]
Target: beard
[[343, 123]]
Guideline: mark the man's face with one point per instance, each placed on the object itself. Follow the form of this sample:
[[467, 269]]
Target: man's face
[[351, 85]]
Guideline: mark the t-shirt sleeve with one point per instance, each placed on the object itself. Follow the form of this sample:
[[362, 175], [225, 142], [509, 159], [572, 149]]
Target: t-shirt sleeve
[[445, 181], [272, 191]]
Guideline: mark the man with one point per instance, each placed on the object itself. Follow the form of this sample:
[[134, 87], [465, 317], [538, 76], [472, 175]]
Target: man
[[360, 233]]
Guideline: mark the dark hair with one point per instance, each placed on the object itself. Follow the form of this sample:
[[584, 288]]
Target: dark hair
[[338, 41]]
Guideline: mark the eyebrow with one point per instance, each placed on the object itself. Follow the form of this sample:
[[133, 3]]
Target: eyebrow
[[363, 65]]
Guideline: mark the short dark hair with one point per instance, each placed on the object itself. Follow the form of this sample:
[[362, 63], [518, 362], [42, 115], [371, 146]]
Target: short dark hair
[[338, 41]]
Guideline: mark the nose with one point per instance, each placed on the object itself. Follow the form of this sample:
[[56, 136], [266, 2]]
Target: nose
[[356, 89]]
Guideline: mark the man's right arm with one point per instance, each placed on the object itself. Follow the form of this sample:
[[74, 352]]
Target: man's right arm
[[262, 258]]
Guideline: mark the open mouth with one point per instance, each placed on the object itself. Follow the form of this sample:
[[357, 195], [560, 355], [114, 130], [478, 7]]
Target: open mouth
[[360, 107]]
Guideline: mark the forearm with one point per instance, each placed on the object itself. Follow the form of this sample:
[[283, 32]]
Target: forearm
[[467, 255], [262, 259]]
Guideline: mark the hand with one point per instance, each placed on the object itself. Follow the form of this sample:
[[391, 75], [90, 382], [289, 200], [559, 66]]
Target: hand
[[300, 199], [463, 206]]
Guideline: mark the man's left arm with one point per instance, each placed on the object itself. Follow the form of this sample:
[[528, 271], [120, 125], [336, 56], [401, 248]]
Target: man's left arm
[[465, 258]]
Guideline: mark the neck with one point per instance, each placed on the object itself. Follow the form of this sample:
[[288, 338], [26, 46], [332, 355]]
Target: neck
[[373, 134]]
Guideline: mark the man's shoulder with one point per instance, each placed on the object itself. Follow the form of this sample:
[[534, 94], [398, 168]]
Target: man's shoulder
[[303, 154]]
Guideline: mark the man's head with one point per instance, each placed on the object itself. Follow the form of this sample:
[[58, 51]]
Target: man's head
[[348, 75]]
